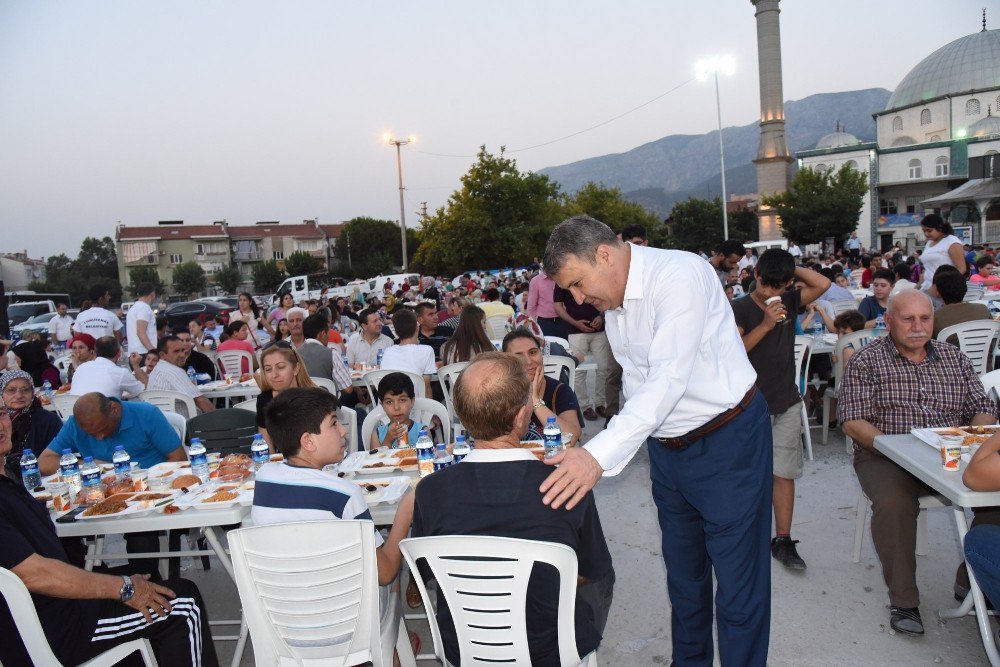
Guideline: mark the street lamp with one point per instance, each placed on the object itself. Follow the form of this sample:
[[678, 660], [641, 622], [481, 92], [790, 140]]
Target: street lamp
[[713, 66], [399, 167]]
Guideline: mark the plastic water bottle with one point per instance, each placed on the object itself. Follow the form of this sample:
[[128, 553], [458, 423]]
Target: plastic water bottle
[[91, 478], [47, 389], [442, 459], [343, 355], [879, 322], [29, 470], [123, 463], [553, 438], [461, 449], [259, 452], [199, 460], [192, 375], [70, 470], [425, 453], [378, 358], [817, 330]]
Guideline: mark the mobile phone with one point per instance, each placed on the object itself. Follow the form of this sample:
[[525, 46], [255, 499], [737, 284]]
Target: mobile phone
[[70, 516]]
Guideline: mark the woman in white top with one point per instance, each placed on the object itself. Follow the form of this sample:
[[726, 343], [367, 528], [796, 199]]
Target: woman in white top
[[249, 313], [942, 248]]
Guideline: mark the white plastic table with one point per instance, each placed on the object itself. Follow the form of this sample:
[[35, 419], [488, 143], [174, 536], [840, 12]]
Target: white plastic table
[[924, 462]]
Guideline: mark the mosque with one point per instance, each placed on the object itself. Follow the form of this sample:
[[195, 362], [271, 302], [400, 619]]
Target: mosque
[[936, 148]]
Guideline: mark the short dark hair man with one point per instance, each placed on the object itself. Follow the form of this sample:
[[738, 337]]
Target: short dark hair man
[[98, 320], [951, 287], [635, 234], [726, 258], [364, 345]]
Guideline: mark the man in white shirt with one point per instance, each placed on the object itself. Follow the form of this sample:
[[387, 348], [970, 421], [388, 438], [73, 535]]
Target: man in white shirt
[[363, 347], [140, 324], [795, 251], [409, 355], [60, 327], [170, 373], [691, 396], [97, 320], [105, 376], [748, 261]]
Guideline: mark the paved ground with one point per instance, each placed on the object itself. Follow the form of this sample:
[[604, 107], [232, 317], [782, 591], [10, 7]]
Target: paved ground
[[833, 614]]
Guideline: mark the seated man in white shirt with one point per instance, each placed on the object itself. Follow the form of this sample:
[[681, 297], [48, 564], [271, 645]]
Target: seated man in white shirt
[[105, 376], [170, 373], [409, 355]]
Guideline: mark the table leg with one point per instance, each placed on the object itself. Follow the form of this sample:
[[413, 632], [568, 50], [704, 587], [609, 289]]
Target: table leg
[[974, 600]]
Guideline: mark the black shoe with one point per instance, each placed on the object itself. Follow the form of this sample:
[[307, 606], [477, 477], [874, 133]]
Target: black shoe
[[783, 551], [961, 591], [906, 620]]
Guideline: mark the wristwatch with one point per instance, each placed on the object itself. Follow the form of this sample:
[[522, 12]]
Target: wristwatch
[[127, 590]]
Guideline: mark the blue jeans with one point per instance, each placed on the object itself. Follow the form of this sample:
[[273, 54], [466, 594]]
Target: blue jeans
[[982, 553], [714, 503]]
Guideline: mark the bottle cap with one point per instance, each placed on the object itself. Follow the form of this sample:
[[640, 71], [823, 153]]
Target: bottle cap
[[440, 445], [88, 459], [119, 448], [27, 451], [550, 420], [67, 451]]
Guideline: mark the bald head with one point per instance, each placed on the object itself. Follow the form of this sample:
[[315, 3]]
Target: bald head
[[491, 394], [910, 321], [908, 299], [97, 415]]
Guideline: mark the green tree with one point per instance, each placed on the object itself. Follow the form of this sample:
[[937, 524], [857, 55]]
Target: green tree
[[820, 204], [144, 274], [301, 263], [369, 246], [500, 216], [96, 263], [744, 225], [607, 205], [266, 276], [229, 279], [695, 224], [189, 278]]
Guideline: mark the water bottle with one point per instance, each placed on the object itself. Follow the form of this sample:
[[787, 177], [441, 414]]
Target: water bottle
[[259, 452], [879, 322], [123, 463], [192, 375], [817, 329], [199, 460], [425, 453], [442, 459], [461, 448], [343, 355], [70, 470], [378, 358], [47, 389], [90, 476], [553, 438], [29, 470]]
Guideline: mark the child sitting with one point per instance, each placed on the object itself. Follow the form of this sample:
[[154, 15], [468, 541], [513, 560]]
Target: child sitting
[[395, 394]]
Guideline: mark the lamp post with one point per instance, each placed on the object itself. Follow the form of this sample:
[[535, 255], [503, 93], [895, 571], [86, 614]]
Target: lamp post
[[399, 143], [713, 66]]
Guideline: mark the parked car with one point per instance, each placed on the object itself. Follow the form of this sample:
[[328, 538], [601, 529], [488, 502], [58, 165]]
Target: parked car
[[37, 324], [231, 301], [178, 315], [21, 312]]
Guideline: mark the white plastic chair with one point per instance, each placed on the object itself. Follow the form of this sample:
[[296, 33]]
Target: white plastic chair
[[230, 362], [843, 305], [929, 501], [975, 340], [854, 340], [63, 403], [447, 376], [860, 294], [991, 383], [63, 363], [496, 326], [424, 409], [250, 405], [372, 378], [178, 423], [170, 401], [309, 592], [556, 339], [18, 599], [349, 418], [803, 352], [487, 595], [554, 366], [973, 292], [326, 383]]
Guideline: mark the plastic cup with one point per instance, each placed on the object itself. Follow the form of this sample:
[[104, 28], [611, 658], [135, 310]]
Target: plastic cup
[[60, 496], [773, 299], [140, 479], [951, 452]]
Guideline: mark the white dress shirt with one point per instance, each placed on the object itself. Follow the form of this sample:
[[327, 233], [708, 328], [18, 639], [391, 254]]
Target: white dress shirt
[[106, 377], [61, 328], [360, 351], [682, 358], [167, 377]]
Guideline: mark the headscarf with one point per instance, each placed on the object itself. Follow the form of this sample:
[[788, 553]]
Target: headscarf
[[20, 419], [33, 360], [84, 338], [9, 376]]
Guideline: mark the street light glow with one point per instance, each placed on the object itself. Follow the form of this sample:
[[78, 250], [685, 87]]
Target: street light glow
[[725, 65]]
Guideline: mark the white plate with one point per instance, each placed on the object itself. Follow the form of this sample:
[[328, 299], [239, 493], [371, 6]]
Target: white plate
[[130, 511]]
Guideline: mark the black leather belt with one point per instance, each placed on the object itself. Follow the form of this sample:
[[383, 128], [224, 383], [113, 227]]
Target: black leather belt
[[714, 424]]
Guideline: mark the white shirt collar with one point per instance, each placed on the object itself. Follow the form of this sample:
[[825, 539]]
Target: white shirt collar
[[500, 455], [633, 284]]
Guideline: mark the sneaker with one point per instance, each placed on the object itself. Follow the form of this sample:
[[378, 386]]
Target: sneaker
[[906, 620], [783, 551], [590, 415]]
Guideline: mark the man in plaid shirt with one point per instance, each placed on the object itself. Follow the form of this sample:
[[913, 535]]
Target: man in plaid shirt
[[903, 381]]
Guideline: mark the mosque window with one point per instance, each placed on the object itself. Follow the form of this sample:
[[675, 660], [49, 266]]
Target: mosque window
[[887, 207], [941, 166], [936, 137], [925, 117], [897, 124], [915, 169], [852, 164], [819, 167], [972, 107]]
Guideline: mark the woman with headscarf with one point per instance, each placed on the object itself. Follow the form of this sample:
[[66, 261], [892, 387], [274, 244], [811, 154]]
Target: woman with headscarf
[[81, 350], [32, 359], [32, 426]]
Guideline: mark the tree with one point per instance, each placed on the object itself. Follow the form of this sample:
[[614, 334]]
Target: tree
[[695, 224], [144, 274], [189, 278], [744, 226], [301, 263], [95, 263], [229, 279], [820, 204], [369, 246], [500, 217], [608, 206], [266, 276]]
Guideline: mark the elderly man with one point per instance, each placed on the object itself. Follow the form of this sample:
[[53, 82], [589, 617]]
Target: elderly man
[[85, 613], [498, 484], [903, 381], [296, 316], [105, 376], [170, 374], [364, 345]]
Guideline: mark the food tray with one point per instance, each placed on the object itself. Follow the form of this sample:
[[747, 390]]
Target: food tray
[[388, 489], [385, 461], [971, 435]]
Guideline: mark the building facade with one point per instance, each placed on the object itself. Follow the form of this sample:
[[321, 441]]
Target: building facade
[[17, 270]]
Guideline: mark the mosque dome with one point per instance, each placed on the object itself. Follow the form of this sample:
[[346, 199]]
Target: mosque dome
[[985, 127], [968, 63], [837, 139]]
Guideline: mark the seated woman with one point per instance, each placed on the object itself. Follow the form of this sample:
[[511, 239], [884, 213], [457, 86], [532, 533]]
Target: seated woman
[[32, 426], [469, 338], [81, 350], [281, 368], [32, 359], [549, 397]]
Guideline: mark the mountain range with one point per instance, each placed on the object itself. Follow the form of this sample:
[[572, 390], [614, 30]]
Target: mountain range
[[662, 172]]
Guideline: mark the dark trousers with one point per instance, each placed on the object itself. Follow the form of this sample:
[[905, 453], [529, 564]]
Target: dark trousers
[[714, 503], [554, 326], [181, 639]]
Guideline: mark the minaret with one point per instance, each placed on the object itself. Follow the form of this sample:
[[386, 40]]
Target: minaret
[[773, 161]]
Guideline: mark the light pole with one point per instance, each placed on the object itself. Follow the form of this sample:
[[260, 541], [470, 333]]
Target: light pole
[[713, 66], [398, 143]]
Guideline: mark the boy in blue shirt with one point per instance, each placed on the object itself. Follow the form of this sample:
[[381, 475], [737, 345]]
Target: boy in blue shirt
[[395, 394]]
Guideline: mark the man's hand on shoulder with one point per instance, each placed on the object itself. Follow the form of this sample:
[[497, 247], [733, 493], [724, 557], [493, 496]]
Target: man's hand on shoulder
[[577, 474]]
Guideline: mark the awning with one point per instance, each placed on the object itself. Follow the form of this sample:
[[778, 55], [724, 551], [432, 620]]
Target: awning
[[976, 190]]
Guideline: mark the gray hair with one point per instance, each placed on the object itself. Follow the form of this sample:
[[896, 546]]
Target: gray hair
[[578, 236]]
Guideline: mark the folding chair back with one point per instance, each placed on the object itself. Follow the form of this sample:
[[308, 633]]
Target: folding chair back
[[63, 404], [230, 363], [976, 339], [372, 378], [447, 376], [424, 410], [170, 401], [225, 431]]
